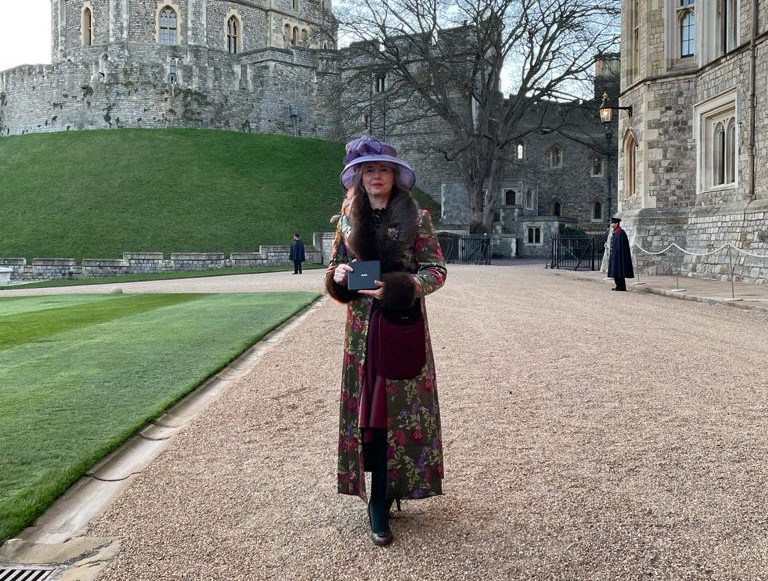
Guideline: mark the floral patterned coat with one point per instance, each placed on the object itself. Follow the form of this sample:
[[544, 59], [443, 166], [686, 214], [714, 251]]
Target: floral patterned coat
[[414, 440]]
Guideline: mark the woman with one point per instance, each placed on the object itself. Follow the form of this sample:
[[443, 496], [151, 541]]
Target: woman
[[389, 415]]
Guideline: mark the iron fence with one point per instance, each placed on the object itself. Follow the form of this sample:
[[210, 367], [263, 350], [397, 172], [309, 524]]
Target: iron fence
[[468, 249], [580, 253]]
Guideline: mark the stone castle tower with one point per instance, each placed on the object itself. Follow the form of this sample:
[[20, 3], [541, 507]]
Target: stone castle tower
[[243, 65], [692, 155]]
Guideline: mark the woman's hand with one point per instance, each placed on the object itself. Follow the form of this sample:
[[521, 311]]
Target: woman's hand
[[376, 294], [341, 274]]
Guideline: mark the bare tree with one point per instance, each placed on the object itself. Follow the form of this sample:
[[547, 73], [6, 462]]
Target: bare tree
[[448, 59]]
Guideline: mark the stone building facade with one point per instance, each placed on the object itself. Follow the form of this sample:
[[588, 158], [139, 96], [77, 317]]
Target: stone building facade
[[692, 155]]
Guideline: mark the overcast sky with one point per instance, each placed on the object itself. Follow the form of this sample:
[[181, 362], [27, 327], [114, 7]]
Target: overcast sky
[[21, 43]]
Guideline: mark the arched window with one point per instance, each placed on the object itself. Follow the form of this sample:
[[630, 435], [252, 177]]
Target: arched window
[[686, 18], [730, 151], [555, 156], [168, 26], [597, 211], [630, 186], [233, 35], [520, 151], [295, 36], [557, 207], [87, 27], [510, 198], [718, 151]]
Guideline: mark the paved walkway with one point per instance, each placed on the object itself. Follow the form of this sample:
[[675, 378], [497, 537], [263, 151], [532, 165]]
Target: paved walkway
[[588, 435]]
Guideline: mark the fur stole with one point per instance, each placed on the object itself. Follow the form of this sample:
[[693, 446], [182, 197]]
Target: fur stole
[[395, 234]]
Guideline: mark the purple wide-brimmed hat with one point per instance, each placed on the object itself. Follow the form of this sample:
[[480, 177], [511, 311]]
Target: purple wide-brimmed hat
[[367, 149]]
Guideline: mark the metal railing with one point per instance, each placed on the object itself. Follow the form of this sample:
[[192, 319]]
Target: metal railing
[[468, 249], [578, 253]]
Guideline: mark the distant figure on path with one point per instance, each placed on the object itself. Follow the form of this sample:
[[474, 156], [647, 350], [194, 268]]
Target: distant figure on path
[[620, 261], [297, 253], [389, 415]]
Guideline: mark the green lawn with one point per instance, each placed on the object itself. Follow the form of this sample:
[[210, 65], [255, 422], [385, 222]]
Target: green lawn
[[80, 373], [97, 194]]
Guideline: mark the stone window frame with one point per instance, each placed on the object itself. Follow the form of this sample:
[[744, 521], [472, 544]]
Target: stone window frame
[[717, 168], [506, 197], [727, 16], [594, 159], [295, 5], [629, 149], [530, 200], [632, 36], [520, 151], [675, 13], [533, 236], [597, 210], [555, 154], [380, 82], [233, 14], [86, 42], [686, 9], [173, 70], [717, 29], [179, 22], [556, 207], [291, 34]]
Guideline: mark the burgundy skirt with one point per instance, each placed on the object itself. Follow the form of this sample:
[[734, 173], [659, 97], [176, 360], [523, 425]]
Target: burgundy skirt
[[373, 397]]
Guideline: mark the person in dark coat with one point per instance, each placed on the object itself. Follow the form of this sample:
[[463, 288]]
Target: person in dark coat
[[297, 253], [620, 264]]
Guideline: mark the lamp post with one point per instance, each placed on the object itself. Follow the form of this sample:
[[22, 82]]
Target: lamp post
[[606, 117]]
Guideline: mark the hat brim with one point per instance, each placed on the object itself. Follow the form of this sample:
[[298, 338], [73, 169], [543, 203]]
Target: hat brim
[[407, 175]]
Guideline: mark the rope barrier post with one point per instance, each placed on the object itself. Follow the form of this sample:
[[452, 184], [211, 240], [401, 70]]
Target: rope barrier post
[[730, 262], [635, 246], [677, 288], [637, 264]]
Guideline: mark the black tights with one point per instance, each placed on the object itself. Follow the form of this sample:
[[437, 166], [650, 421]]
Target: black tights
[[375, 456]]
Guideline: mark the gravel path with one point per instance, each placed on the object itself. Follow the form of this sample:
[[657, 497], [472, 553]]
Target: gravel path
[[589, 435]]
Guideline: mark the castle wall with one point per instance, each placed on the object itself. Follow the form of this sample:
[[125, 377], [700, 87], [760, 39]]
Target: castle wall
[[132, 88]]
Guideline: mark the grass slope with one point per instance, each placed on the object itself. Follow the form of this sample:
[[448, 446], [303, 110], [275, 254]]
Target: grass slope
[[97, 194], [79, 374]]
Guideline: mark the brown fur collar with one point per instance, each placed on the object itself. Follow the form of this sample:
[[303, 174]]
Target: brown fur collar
[[396, 234]]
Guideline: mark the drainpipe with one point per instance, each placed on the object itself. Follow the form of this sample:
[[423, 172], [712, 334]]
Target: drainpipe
[[752, 100]]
